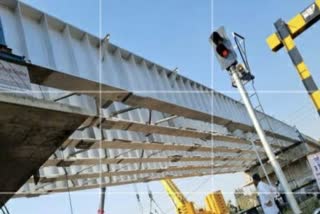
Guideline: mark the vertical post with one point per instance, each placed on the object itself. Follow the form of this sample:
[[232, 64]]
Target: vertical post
[[297, 60], [102, 200], [276, 166]]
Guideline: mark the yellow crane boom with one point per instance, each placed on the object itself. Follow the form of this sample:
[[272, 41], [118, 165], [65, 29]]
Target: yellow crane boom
[[181, 203], [215, 203]]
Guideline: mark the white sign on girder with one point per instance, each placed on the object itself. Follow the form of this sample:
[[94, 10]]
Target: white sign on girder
[[314, 161], [14, 77]]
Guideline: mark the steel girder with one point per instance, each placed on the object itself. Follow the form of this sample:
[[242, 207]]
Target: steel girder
[[207, 133]]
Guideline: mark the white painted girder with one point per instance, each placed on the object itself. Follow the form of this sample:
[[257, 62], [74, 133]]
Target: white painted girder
[[74, 187], [94, 161], [134, 172], [48, 40], [125, 144]]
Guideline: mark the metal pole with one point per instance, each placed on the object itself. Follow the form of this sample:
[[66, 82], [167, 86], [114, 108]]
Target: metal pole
[[276, 166], [102, 200]]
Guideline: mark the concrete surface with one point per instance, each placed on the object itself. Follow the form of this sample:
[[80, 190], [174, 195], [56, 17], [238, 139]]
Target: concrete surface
[[30, 131]]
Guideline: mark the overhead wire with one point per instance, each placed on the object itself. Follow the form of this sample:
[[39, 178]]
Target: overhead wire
[[68, 188], [301, 108], [152, 200], [5, 207], [150, 206], [138, 198], [303, 113], [69, 194], [199, 186]]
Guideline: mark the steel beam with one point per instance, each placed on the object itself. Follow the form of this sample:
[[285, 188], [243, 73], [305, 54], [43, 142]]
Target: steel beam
[[135, 172], [140, 180], [127, 144], [124, 160], [50, 78]]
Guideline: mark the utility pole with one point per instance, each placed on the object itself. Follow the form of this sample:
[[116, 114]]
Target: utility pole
[[228, 61]]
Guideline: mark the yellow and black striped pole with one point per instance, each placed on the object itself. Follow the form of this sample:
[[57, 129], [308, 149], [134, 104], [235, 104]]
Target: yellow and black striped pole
[[297, 25], [296, 58], [284, 36]]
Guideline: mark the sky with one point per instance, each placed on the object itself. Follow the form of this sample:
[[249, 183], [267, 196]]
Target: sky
[[174, 33]]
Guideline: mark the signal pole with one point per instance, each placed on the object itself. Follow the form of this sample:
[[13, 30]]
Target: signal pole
[[228, 60], [273, 161]]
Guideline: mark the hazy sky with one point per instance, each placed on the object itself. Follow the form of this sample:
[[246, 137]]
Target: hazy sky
[[174, 33]]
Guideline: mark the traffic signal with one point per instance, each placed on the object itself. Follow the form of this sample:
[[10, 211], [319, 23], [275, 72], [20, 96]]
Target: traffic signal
[[223, 48]]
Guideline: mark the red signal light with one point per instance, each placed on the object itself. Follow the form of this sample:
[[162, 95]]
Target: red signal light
[[225, 53], [222, 51]]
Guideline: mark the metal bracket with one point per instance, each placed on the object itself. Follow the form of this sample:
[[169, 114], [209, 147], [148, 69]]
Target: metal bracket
[[116, 113], [166, 119], [66, 96]]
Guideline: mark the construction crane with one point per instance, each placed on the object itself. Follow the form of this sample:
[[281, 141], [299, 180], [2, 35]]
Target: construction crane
[[215, 203]]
